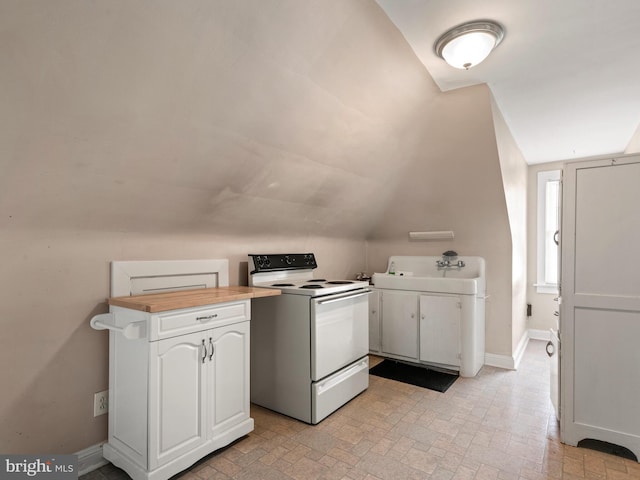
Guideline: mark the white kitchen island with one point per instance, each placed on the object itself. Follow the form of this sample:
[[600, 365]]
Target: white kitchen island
[[178, 377]]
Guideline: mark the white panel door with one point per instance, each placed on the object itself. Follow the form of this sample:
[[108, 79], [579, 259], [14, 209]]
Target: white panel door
[[440, 329], [228, 377], [400, 323], [177, 396], [600, 308]]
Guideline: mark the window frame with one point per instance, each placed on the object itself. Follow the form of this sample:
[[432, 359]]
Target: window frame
[[544, 177]]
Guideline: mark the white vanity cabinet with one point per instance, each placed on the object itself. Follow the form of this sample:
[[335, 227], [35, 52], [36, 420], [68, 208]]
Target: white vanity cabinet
[[399, 333], [178, 385], [444, 330], [440, 329]]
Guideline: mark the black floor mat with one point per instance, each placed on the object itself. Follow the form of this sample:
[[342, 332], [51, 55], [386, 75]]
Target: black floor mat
[[413, 375]]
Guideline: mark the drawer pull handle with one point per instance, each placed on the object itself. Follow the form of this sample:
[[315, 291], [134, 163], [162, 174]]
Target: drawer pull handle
[[212, 349], [204, 347], [207, 317]]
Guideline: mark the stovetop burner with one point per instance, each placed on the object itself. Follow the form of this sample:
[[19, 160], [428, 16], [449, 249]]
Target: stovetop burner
[[293, 273]]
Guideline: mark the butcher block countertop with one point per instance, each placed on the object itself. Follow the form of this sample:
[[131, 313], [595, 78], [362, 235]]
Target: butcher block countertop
[[162, 302]]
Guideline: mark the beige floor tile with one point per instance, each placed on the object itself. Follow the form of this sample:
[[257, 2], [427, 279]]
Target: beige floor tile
[[497, 426]]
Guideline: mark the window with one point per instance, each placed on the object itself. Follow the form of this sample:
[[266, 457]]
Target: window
[[548, 230]]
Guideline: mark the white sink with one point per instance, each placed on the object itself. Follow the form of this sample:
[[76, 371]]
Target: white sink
[[423, 275], [465, 286], [440, 302]]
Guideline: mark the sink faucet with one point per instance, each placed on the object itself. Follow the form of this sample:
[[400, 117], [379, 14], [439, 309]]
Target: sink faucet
[[447, 260], [448, 264]]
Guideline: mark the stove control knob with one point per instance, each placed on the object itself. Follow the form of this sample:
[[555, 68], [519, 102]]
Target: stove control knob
[[287, 260]]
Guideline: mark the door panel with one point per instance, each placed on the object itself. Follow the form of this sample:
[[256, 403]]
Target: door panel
[[177, 395], [228, 377], [440, 329], [607, 232], [400, 323]]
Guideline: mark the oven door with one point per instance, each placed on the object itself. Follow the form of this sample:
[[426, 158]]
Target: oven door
[[339, 331]]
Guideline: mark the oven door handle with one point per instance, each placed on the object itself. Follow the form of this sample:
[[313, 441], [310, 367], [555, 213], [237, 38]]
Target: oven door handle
[[343, 297]]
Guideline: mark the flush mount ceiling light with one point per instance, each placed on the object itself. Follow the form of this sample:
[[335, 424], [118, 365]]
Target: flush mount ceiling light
[[467, 45]]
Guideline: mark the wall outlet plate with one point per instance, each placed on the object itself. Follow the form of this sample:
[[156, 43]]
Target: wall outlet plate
[[100, 403]]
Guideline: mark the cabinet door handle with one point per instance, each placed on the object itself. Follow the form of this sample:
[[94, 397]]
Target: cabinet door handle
[[207, 317], [204, 347], [212, 348]]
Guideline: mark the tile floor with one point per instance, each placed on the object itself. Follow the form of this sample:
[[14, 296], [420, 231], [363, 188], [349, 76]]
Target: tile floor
[[499, 425]]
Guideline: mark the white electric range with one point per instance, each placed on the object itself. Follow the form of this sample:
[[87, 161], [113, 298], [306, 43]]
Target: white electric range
[[309, 345]]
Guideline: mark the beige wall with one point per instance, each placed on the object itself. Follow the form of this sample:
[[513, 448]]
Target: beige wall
[[542, 304], [634, 143], [135, 130], [514, 179], [166, 130], [455, 184], [55, 281]]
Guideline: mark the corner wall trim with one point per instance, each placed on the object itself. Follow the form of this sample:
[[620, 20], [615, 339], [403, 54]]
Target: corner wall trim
[[500, 361], [522, 346], [511, 362], [539, 334], [90, 459]]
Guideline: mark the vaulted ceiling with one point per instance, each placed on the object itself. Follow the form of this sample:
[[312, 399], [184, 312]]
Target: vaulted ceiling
[[566, 76]]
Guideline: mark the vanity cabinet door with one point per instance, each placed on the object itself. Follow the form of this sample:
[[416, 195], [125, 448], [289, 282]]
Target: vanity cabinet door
[[400, 323], [440, 329]]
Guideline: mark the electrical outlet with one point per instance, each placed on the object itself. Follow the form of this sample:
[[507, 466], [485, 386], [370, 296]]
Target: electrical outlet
[[101, 403]]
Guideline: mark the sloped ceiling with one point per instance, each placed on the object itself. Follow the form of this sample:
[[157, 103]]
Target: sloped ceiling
[[565, 76], [169, 116]]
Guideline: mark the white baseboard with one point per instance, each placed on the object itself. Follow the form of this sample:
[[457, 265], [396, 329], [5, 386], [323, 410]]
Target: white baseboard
[[539, 334], [511, 362], [500, 361], [90, 459]]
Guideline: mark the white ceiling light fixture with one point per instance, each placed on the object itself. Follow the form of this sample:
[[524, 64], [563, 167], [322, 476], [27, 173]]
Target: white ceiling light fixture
[[467, 45]]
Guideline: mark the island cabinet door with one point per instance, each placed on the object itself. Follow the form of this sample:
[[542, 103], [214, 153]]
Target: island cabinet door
[[177, 396], [228, 378]]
